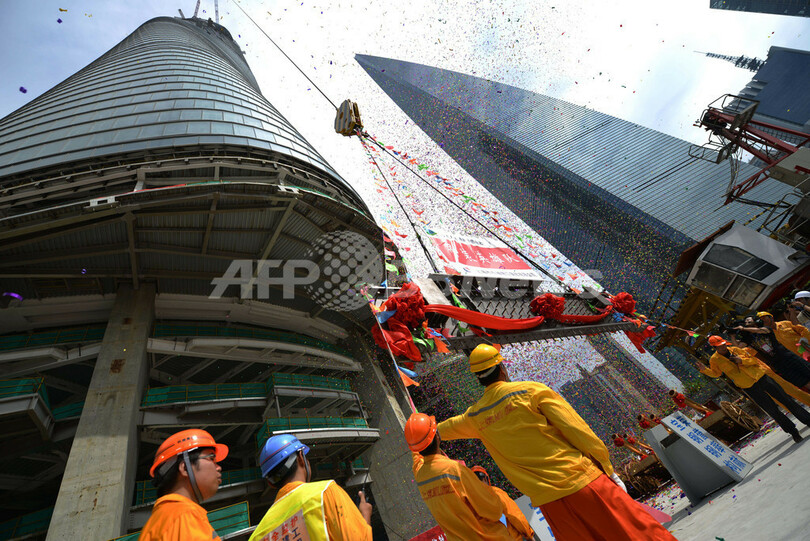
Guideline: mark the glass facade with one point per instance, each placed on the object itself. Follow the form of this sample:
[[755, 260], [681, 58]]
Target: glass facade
[[781, 88], [799, 8], [611, 195], [172, 84]]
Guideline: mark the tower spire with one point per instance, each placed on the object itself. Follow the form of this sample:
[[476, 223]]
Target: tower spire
[[742, 61]]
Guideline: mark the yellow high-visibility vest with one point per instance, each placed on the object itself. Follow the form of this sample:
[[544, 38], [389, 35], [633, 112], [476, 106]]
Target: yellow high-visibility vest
[[298, 515]]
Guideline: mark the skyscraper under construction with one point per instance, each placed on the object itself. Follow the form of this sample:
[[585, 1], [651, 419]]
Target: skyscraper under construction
[[126, 192]]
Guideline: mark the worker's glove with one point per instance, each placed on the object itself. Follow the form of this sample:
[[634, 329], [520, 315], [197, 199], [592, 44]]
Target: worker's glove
[[619, 482]]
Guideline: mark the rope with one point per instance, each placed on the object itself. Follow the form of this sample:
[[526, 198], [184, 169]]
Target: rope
[[462, 209], [287, 57], [394, 193]]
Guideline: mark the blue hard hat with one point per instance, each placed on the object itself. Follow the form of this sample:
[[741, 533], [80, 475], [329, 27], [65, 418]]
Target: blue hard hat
[[277, 449]]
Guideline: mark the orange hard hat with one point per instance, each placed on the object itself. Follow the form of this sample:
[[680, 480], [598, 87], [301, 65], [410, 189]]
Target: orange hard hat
[[478, 471], [420, 431], [184, 441], [718, 341]]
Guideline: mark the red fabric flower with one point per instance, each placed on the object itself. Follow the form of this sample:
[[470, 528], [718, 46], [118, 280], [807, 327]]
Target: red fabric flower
[[398, 338], [548, 305], [409, 304], [624, 303]]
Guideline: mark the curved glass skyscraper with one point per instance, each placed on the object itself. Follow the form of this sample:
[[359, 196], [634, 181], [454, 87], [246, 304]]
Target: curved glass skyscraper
[[170, 87]]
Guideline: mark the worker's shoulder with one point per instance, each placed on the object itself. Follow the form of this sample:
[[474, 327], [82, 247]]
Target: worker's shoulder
[[437, 465], [173, 503], [512, 387]]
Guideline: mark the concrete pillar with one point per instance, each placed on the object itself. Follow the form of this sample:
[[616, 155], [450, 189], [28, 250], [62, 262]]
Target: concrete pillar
[[96, 491], [403, 512]]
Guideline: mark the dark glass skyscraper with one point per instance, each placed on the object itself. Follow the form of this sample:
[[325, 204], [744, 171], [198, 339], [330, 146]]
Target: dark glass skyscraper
[[611, 195], [799, 8], [781, 88]]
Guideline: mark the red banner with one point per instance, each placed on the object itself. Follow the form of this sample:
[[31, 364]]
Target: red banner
[[480, 256], [433, 534]]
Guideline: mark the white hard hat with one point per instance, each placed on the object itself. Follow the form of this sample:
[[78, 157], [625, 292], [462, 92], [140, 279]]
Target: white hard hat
[[802, 295]]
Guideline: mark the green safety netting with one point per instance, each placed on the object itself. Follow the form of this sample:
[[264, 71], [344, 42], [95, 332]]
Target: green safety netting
[[300, 380], [220, 391], [71, 411], [358, 464], [24, 386], [47, 338], [26, 525], [200, 393], [302, 423]]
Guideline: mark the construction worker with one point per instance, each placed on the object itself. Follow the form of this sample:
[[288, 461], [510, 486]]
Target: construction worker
[[464, 508], [801, 308], [186, 472], [744, 370], [789, 334], [321, 510], [551, 455], [516, 523], [770, 350]]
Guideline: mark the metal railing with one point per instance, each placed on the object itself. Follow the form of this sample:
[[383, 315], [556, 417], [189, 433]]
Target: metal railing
[[49, 338], [23, 387]]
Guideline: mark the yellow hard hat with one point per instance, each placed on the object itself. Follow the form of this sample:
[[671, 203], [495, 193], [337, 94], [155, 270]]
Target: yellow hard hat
[[764, 314], [484, 357]]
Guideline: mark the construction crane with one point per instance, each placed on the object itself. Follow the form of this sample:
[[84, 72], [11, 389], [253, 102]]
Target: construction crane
[[196, 9], [732, 127]]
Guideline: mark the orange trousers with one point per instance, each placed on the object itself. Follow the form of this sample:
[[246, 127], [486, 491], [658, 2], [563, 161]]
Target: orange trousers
[[602, 511]]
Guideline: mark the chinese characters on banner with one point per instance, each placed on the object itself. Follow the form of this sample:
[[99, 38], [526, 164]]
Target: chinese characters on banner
[[292, 529], [704, 442], [479, 256]]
